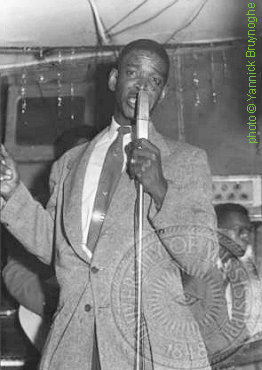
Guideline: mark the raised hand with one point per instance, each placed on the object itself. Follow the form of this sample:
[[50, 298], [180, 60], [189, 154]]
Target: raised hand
[[144, 165], [9, 176]]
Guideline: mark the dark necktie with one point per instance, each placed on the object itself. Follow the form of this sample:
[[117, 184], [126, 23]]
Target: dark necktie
[[108, 181]]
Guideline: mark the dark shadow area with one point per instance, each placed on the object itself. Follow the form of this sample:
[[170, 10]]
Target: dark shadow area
[[3, 105], [104, 98]]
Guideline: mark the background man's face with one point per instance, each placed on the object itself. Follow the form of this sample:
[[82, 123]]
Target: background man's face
[[239, 228], [140, 70]]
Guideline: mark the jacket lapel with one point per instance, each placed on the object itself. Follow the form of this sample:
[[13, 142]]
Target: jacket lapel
[[158, 141], [73, 189]]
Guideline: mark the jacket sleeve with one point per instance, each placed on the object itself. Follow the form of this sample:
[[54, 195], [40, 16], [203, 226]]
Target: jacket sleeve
[[29, 221], [186, 222], [26, 278], [24, 285]]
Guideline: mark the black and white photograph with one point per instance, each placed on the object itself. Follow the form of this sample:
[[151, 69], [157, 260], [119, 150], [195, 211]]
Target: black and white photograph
[[131, 184]]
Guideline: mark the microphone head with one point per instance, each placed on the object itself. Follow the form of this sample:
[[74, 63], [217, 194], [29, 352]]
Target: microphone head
[[142, 116]]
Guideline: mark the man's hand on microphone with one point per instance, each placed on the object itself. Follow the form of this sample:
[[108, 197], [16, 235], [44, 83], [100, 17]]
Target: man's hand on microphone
[[144, 165], [9, 176]]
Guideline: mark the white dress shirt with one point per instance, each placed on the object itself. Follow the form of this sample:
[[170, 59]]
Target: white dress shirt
[[92, 176]]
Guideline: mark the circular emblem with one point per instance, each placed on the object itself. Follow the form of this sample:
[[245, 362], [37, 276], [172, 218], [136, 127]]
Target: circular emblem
[[185, 315]]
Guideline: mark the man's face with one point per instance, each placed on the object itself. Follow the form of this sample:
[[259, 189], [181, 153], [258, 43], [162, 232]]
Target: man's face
[[239, 228], [139, 70]]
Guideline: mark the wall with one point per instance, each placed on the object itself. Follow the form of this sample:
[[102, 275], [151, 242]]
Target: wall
[[218, 127]]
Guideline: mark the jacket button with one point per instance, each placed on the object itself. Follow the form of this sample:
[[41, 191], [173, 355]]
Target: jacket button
[[94, 269], [87, 307]]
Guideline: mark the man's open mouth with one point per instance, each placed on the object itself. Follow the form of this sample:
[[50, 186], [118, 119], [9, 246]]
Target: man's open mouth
[[131, 102]]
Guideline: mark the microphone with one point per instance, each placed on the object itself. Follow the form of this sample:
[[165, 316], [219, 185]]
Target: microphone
[[141, 133], [142, 116]]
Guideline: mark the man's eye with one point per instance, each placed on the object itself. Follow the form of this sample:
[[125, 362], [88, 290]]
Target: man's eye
[[131, 73]]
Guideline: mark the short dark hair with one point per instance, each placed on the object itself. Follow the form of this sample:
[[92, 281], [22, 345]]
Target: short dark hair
[[224, 209], [148, 45]]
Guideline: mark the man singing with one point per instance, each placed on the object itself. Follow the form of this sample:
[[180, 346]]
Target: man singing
[[87, 231]]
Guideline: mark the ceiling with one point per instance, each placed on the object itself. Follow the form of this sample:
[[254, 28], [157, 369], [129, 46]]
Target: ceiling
[[59, 23]]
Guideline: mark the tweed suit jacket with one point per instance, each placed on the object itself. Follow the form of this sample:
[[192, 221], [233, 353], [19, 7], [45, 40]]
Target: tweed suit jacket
[[181, 235]]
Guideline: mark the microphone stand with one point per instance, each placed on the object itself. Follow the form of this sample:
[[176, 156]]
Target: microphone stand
[[141, 132]]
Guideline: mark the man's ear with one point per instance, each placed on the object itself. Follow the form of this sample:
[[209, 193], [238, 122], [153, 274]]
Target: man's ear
[[163, 94], [112, 80]]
